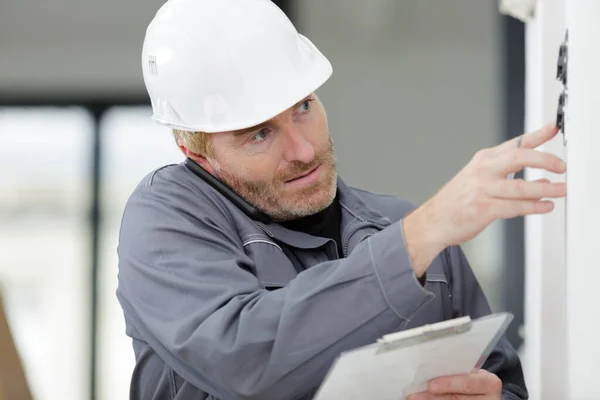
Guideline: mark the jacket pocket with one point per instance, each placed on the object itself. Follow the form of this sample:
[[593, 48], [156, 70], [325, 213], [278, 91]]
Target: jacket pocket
[[439, 308], [438, 284]]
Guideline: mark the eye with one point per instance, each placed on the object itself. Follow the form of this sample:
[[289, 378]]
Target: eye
[[260, 136], [305, 106]]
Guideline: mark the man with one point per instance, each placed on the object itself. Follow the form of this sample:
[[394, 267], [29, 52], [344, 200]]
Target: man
[[247, 269]]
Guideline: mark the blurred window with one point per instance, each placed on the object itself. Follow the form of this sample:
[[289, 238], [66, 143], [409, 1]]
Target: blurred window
[[44, 259], [132, 146]]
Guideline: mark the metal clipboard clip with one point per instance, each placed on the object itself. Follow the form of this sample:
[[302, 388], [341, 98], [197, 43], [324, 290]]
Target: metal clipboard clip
[[423, 334]]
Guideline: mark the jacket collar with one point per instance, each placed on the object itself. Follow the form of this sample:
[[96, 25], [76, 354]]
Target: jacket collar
[[354, 212], [354, 205]]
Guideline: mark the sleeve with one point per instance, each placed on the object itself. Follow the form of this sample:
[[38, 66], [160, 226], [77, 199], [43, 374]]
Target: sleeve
[[469, 299], [185, 288]]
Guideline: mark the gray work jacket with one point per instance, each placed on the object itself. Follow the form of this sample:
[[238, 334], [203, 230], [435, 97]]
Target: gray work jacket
[[220, 306]]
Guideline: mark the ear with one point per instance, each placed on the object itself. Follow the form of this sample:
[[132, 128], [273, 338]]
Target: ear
[[198, 158]]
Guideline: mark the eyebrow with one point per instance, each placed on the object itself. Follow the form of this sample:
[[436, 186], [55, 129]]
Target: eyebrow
[[244, 131]]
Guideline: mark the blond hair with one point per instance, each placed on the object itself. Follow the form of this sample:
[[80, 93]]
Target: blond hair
[[196, 142]]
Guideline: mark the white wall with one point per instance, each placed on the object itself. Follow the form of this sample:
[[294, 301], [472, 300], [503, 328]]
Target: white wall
[[583, 142], [545, 319]]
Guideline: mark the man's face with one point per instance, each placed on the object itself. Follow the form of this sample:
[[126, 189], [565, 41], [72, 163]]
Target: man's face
[[285, 167]]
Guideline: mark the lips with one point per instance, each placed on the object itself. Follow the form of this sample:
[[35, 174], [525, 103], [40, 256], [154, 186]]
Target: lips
[[302, 175]]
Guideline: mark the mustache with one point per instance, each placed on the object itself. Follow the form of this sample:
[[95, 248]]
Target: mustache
[[298, 168]]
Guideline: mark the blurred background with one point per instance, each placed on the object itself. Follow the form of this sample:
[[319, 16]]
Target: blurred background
[[418, 87]]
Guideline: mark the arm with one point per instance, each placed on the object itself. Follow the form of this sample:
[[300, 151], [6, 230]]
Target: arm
[[184, 286], [477, 196], [468, 299]]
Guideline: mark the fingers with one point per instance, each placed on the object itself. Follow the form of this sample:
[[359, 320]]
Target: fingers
[[470, 384], [524, 190], [517, 154], [534, 139], [530, 140], [478, 385], [429, 396], [519, 208], [517, 159], [511, 144]]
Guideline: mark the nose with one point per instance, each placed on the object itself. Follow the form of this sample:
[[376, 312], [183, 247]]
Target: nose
[[297, 148]]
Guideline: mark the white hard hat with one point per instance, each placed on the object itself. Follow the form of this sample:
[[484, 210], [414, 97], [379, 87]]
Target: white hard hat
[[222, 65]]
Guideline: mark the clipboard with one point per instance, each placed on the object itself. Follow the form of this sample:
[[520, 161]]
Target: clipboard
[[402, 363]]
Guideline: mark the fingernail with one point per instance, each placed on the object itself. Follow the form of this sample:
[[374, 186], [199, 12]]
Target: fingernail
[[562, 165], [434, 386]]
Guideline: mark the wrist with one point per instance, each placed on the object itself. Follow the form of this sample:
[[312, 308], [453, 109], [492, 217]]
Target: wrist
[[421, 242]]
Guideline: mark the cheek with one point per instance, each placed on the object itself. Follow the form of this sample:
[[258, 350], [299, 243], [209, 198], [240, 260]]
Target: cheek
[[254, 169], [267, 165], [317, 132]]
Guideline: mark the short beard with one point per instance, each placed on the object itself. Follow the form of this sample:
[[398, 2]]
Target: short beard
[[267, 196]]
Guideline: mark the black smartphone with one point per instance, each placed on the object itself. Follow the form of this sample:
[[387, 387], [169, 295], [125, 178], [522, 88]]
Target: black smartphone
[[226, 191]]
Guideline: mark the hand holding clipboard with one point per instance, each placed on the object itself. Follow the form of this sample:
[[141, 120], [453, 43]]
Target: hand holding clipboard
[[402, 363]]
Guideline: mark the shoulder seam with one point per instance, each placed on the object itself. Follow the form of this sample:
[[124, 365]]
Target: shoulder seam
[[151, 178]]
